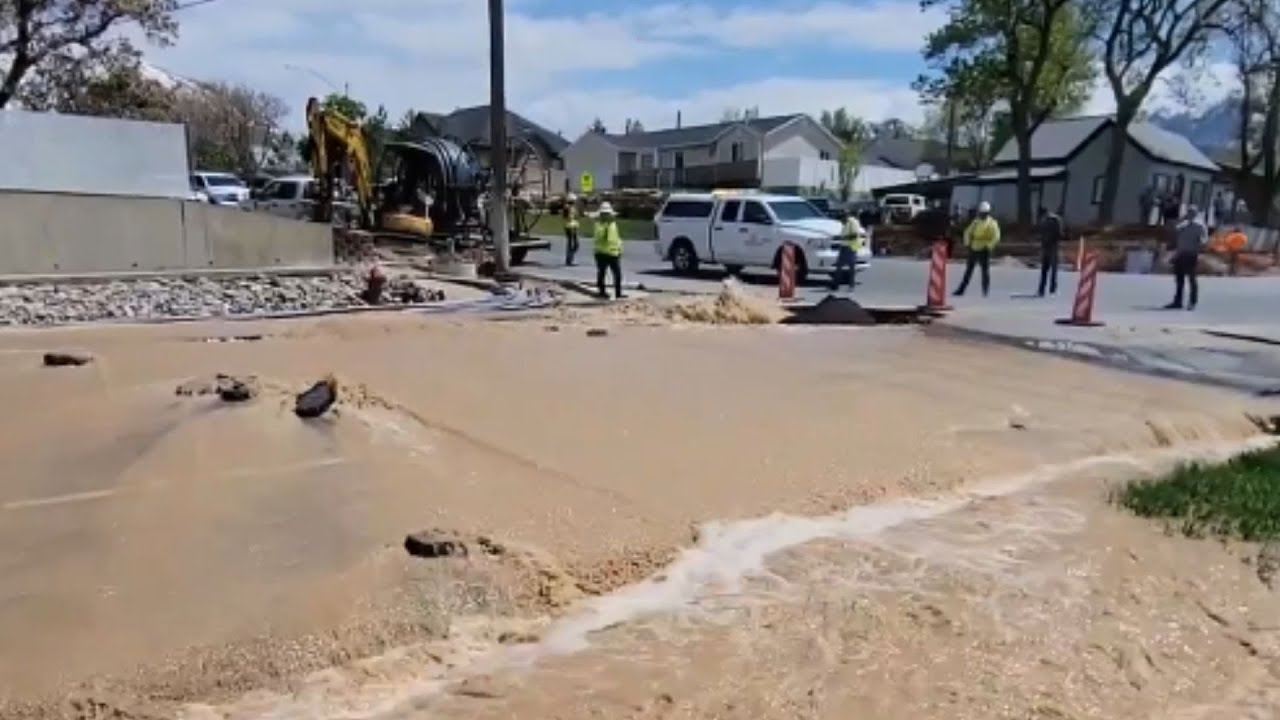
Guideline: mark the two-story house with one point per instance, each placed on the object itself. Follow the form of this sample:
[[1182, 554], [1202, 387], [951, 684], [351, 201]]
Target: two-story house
[[787, 153], [531, 146], [1069, 163]]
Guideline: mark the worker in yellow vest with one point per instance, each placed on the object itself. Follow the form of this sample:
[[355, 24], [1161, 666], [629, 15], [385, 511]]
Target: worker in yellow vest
[[608, 250], [980, 238], [570, 214], [853, 238]]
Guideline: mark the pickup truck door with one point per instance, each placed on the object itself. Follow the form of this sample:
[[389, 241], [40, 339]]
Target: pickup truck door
[[758, 234], [727, 233]]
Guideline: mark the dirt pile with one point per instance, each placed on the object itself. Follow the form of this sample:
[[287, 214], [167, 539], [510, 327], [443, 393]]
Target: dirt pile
[[734, 305]]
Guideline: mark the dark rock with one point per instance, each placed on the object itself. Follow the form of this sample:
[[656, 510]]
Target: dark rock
[[63, 359], [237, 390], [315, 400], [434, 544], [597, 332]]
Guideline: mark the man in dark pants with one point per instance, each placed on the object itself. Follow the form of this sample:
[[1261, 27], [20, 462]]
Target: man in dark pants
[[980, 238], [570, 214], [1189, 238], [608, 250], [1052, 233]]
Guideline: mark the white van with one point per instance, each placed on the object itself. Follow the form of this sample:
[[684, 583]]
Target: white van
[[742, 229], [902, 207]]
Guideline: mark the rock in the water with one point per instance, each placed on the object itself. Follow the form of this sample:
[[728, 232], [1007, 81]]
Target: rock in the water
[[434, 544], [64, 359], [1268, 564], [317, 399], [235, 390]]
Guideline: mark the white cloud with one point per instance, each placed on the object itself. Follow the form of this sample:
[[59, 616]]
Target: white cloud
[[871, 99], [433, 55]]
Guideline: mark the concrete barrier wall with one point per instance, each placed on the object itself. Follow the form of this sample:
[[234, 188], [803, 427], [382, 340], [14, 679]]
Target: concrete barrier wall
[[48, 233]]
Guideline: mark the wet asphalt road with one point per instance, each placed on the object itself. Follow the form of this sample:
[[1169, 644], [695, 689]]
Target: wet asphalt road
[[1137, 331]]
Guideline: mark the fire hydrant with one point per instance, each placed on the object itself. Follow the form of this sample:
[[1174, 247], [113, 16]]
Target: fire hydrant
[[375, 280]]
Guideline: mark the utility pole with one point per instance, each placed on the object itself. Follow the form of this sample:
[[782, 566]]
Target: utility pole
[[498, 220]]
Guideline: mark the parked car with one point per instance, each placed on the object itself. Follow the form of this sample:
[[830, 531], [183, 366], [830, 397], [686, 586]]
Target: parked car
[[222, 188], [745, 229], [902, 207], [290, 196]]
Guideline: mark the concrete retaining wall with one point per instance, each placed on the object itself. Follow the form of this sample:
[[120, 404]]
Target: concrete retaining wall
[[48, 233]]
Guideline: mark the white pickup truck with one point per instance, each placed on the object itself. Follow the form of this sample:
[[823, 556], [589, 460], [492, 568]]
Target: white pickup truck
[[747, 230]]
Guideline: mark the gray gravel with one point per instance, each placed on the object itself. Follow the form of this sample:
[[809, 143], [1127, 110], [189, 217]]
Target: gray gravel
[[49, 304]]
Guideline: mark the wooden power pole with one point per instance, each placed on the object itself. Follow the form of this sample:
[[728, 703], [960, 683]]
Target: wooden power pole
[[498, 210]]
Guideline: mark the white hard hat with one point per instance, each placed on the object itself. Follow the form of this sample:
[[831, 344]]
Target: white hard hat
[[606, 208], [571, 197], [984, 207]]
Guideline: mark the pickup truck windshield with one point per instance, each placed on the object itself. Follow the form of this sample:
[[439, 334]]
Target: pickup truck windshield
[[788, 210], [223, 181]]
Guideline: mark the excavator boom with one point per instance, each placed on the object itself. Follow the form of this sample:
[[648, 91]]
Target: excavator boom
[[336, 137]]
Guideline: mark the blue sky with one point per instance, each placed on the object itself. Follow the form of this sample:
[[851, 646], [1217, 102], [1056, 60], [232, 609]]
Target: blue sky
[[569, 61]]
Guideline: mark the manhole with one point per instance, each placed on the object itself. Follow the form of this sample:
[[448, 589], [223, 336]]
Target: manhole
[[833, 310]]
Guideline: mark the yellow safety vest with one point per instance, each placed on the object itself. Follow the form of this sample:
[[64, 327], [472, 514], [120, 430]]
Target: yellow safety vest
[[571, 217], [982, 234], [854, 235], [607, 239]]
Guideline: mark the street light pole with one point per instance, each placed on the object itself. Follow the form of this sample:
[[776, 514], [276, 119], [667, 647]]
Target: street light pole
[[498, 220]]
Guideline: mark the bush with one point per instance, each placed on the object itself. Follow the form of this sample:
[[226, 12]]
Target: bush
[[1239, 498]]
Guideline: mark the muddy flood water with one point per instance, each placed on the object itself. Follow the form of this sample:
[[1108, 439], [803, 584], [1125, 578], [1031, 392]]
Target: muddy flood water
[[660, 522]]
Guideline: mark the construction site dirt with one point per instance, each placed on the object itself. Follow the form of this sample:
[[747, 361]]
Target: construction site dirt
[[682, 516]]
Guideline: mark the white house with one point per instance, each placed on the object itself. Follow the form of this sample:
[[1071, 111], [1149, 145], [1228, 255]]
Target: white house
[[788, 153], [1069, 161]]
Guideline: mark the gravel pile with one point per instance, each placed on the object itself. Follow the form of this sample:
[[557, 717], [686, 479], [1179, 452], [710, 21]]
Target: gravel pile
[[47, 304]]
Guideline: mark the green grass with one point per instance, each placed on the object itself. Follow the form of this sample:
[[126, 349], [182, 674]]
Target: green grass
[[1238, 499], [550, 224]]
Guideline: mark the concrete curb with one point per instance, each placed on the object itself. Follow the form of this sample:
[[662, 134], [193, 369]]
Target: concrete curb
[[84, 278]]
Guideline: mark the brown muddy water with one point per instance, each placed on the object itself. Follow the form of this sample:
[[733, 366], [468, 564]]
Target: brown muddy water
[[678, 522]]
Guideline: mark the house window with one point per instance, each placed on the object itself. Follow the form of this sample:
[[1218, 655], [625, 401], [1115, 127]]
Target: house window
[[824, 155], [679, 160], [646, 162], [1099, 187], [735, 152], [1199, 194], [1160, 181]]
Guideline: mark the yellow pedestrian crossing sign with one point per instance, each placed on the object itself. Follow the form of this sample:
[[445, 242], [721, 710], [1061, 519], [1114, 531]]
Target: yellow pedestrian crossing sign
[[586, 183]]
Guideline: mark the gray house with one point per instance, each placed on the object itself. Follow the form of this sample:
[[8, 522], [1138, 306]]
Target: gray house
[[791, 153], [1069, 162]]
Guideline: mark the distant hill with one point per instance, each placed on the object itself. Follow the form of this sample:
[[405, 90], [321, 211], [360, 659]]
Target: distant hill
[[1214, 129]]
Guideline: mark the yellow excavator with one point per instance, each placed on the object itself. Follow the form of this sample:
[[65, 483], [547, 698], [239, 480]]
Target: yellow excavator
[[434, 189]]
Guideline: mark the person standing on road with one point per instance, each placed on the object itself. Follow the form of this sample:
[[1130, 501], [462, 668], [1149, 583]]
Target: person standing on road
[[570, 213], [1052, 232], [854, 237], [608, 250], [981, 237], [1189, 237]]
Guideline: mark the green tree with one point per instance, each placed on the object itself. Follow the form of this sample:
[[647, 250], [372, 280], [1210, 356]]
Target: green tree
[[58, 42], [116, 88], [1254, 33], [1139, 40], [597, 126], [853, 134], [740, 114], [1031, 54]]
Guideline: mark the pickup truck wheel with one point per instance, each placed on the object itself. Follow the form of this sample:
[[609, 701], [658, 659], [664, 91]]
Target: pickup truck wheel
[[684, 261], [518, 255]]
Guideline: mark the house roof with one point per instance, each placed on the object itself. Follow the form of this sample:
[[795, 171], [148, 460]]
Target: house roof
[[907, 153], [471, 125], [695, 134], [1003, 175], [1059, 139]]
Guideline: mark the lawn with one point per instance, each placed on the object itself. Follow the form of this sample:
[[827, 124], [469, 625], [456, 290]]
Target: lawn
[[1238, 499], [550, 224]]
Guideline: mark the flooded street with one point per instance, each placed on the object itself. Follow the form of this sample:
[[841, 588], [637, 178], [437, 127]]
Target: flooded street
[[669, 521]]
